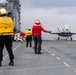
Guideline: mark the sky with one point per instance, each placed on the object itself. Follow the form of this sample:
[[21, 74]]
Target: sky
[[52, 14]]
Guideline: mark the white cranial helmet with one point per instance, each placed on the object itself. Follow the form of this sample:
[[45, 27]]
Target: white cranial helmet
[[3, 11]]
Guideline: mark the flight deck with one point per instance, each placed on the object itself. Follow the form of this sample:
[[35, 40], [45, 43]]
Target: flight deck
[[58, 58]]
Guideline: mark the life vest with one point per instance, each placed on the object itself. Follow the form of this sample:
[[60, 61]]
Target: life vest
[[6, 26], [28, 33]]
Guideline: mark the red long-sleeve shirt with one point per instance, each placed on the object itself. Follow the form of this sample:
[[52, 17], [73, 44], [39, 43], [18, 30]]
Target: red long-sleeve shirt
[[36, 30], [21, 34]]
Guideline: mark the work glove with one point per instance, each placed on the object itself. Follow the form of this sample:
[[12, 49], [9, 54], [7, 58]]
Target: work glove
[[49, 32]]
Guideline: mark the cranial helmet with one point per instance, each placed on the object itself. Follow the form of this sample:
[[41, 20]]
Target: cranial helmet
[[28, 28], [3, 11]]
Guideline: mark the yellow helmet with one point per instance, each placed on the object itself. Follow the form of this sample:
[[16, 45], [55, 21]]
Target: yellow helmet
[[3, 11], [37, 21]]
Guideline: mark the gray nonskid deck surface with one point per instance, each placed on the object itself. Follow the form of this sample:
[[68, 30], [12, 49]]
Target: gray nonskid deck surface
[[57, 58]]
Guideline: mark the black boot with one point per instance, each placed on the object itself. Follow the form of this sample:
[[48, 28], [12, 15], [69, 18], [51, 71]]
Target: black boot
[[0, 64], [35, 51], [39, 52], [11, 63]]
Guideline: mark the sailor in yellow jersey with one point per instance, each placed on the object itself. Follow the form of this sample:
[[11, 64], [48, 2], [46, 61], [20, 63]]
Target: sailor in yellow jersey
[[28, 35], [6, 33]]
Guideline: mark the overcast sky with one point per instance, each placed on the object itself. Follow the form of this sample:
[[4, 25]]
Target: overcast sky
[[52, 13]]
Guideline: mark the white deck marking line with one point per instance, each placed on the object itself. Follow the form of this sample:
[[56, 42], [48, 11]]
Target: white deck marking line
[[13, 50], [49, 51], [53, 54], [58, 58], [66, 64]]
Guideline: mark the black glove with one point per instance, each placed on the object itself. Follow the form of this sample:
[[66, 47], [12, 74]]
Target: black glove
[[49, 32]]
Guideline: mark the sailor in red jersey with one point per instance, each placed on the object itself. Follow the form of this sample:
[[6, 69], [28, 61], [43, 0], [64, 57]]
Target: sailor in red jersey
[[36, 33], [22, 36]]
